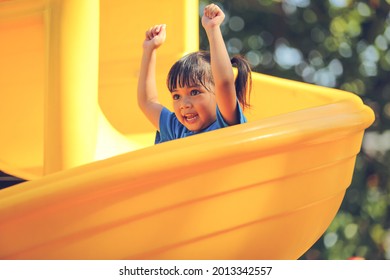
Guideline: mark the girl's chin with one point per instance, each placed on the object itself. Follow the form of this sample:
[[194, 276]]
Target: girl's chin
[[196, 126], [195, 129]]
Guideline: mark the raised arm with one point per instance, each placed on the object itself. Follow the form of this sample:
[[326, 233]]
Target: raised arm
[[221, 66], [147, 94]]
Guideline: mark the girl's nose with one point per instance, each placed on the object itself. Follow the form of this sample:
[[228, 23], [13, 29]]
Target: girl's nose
[[185, 103]]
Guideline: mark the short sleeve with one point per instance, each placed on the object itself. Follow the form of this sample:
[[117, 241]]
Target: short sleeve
[[170, 127], [241, 117]]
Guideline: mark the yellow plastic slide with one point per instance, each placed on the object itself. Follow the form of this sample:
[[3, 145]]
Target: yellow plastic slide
[[99, 189]]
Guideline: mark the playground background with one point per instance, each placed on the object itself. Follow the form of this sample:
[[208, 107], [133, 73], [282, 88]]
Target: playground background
[[334, 43], [339, 44]]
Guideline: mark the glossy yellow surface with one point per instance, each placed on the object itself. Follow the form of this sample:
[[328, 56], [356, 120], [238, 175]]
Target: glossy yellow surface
[[98, 187]]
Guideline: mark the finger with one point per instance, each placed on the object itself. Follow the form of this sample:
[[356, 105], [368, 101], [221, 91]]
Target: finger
[[147, 36], [157, 30], [206, 11], [214, 11], [162, 28], [150, 33]]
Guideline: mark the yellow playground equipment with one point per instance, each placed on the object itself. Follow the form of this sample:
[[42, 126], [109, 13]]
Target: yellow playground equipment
[[97, 186]]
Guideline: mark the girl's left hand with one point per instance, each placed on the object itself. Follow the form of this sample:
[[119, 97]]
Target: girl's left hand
[[212, 16]]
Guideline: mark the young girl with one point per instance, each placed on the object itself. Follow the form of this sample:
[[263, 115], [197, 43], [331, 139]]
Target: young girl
[[204, 92]]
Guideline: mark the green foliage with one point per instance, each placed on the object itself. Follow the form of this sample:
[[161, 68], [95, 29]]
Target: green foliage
[[335, 43]]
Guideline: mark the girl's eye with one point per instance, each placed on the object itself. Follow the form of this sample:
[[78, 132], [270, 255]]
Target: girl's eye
[[195, 92], [175, 97]]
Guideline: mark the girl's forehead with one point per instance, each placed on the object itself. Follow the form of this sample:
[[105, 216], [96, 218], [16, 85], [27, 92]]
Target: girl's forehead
[[193, 85], [189, 86]]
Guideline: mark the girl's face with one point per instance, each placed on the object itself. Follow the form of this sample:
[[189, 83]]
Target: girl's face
[[194, 106]]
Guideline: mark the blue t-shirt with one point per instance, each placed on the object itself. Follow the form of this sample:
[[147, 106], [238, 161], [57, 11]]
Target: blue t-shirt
[[171, 128]]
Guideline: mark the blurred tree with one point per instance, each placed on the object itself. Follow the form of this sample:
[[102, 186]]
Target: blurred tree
[[334, 43]]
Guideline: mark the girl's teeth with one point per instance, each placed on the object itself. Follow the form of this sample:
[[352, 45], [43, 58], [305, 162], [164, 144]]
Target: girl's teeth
[[190, 117]]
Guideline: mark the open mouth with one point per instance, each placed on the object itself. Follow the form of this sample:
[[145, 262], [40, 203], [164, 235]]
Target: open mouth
[[191, 118]]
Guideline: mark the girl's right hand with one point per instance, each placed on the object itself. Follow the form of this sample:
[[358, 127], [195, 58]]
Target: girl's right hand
[[155, 36]]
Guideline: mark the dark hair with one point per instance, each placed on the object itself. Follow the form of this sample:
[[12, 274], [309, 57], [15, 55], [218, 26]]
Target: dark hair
[[195, 69]]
